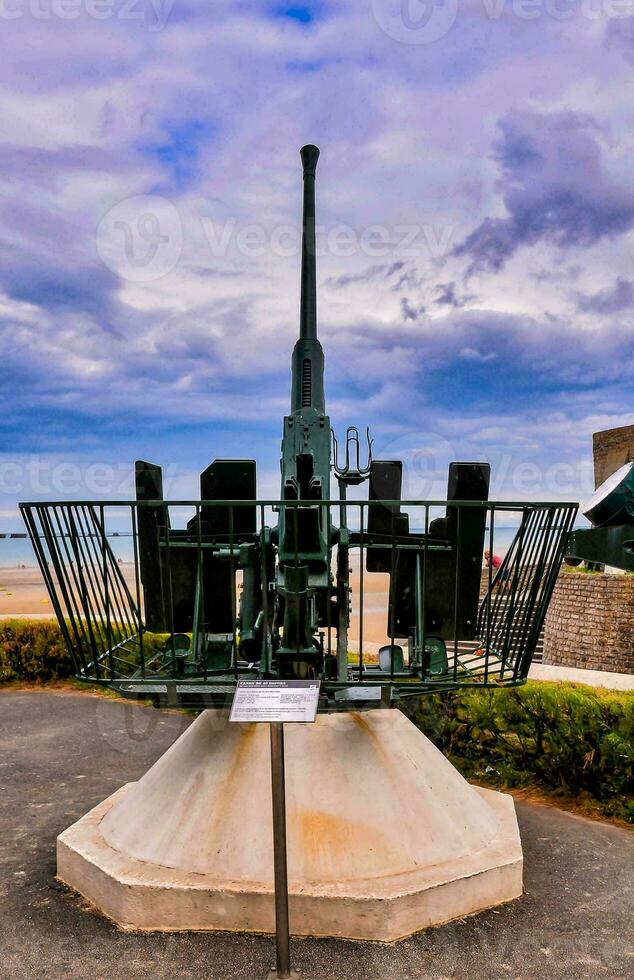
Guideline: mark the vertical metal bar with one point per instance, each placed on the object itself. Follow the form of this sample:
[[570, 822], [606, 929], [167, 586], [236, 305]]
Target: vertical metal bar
[[101, 574], [95, 574], [282, 937], [556, 559], [120, 592], [234, 608], [487, 642], [532, 578], [533, 621], [424, 665], [121, 597], [77, 593], [137, 584], [196, 619], [170, 586], [507, 590], [90, 585], [524, 591], [456, 595], [265, 658], [64, 582], [342, 616], [106, 582], [296, 537], [392, 625], [418, 646], [528, 620], [43, 562], [524, 578], [527, 575], [325, 518], [92, 569], [361, 588], [62, 535], [511, 562], [199, 598]]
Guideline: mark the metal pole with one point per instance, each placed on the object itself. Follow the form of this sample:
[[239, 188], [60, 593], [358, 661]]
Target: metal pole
[[282, 939]]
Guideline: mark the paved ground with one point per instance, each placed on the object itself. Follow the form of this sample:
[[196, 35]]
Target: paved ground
[[62, 753], [595, 678]]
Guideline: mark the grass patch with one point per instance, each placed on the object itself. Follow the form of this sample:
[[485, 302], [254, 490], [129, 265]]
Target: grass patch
[[581, 570], [569, 740]]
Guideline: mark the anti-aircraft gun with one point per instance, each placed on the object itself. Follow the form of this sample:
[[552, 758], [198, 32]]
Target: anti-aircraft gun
[[250, 587], [610, 538]]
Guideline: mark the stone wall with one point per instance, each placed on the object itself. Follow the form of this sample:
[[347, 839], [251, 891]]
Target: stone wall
[[590, 622], [611, 449]]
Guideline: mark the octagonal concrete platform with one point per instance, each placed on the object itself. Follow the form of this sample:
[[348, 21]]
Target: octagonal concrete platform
[[385, 837]]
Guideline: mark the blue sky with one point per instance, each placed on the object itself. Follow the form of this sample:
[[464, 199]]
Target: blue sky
[[476, 205]]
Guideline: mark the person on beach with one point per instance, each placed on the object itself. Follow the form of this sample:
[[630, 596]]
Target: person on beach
[[494, 560]]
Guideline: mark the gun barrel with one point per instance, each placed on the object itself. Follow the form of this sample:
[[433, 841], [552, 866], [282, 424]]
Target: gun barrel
[[307, 362], [308, 307]]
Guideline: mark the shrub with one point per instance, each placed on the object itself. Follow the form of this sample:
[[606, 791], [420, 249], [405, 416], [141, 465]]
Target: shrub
[[32, 651], [568, 738]]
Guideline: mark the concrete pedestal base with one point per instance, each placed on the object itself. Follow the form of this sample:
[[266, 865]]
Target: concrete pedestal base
[[385, 837]]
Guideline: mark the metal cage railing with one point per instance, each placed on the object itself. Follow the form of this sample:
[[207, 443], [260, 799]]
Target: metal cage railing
[[169, 600]]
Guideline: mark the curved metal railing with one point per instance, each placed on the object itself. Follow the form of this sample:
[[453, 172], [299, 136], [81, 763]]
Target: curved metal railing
[[163, 615]]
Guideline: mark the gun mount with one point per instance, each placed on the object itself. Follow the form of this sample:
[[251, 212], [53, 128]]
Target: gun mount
[[610, 511], [231, 586]]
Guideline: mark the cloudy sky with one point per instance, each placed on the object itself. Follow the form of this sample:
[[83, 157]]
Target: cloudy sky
[[476, 212]]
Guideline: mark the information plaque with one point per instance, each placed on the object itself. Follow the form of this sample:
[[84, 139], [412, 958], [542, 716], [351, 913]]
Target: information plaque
[[275, 701]]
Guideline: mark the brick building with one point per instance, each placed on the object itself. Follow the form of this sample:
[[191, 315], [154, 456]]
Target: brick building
[[611, 449], [590, 621]]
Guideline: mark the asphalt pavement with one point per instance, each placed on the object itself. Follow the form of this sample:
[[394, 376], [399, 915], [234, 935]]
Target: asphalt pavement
[[61, 753]]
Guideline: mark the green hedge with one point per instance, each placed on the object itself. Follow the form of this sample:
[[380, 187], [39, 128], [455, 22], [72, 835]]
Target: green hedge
[[32, 650], [568, 738]]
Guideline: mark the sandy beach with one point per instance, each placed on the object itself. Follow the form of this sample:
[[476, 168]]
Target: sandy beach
[[23, 595]]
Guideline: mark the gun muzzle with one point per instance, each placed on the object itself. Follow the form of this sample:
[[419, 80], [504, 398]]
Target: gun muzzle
[[308, 308]]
